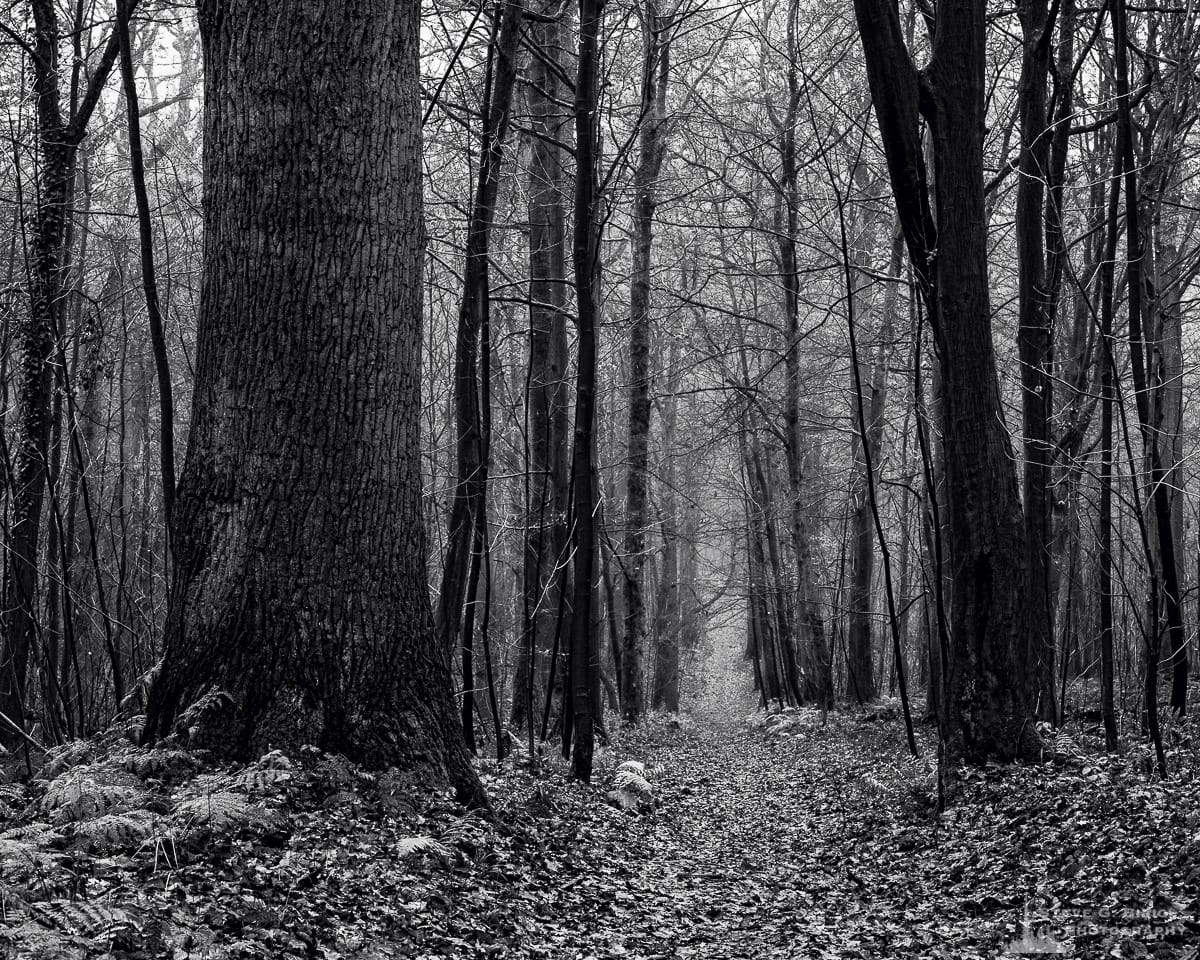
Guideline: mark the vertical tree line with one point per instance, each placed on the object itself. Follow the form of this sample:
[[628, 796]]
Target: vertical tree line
[[591, 340]]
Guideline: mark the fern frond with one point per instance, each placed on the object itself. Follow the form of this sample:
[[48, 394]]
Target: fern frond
[[35, 833], [417, 846], [65, 756], [208, 783], [215, 809], [1064, 745], [32, 941], [82, 918], [23, 859], [212, 702], [12, 902], [12, 801], [223, 811], [159, 762], [74, 796], [114, 832]]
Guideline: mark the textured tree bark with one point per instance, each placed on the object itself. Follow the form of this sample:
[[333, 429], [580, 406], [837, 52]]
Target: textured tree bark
[[651, 146], [987, 543], [299, 586]]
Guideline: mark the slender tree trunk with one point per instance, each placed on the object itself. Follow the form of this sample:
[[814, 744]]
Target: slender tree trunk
[[546, 386], [1035, 346], [1157, 490], [583, 662], [1108, 397], [58, 140], [862, 567], [158, 340], [665, 687], [463, 559], [651, 147], [809, 619]]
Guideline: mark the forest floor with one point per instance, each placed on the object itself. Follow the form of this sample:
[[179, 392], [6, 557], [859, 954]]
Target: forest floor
[[793, 836]]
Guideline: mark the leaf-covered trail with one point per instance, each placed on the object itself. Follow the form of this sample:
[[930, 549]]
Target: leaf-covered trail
[[814, 839], [795, 836], [752, 852]]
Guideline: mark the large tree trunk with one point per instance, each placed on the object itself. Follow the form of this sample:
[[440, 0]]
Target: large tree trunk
[[989, 715], [985, 712], [299, 585]]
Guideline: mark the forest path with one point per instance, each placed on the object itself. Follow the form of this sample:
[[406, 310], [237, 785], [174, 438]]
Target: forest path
[[811, 838], [764, 845]]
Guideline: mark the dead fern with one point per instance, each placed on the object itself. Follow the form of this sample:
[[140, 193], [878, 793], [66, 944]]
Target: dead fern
[[82, 918], [413, 847]]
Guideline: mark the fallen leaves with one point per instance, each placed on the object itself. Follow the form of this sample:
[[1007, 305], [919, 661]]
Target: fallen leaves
[[800, 835]]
